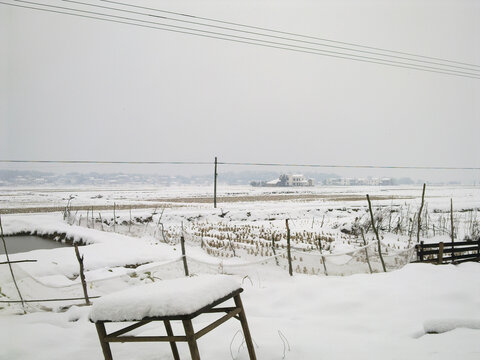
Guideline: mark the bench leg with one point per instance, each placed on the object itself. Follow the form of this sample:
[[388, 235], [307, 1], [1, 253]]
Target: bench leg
[[246, 331], [192, 342], [173, 345], [107, 353]]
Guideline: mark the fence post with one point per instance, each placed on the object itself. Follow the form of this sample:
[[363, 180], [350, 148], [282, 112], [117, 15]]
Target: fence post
[[114, 218], [10, 267], [82, 275], [419, 224], [273, 249], [215, 185], [290, 270], [421, 251], [376, 234], [323, 257], [440, 253], [478, 249], [366, 250], [453, 231], [184, 256]]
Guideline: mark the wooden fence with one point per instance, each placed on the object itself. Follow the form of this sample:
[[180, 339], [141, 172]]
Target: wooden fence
[[449, 252]]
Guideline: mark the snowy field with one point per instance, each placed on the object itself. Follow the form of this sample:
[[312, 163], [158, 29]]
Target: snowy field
[[351, 313]]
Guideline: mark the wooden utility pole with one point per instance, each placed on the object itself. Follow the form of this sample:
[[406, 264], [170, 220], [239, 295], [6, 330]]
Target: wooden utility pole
[[215, 185]]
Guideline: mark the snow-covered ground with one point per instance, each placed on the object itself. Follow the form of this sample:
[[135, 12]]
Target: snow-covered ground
[[307, 316]]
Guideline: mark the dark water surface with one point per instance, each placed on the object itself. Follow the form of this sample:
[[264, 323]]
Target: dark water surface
[[23, 243]]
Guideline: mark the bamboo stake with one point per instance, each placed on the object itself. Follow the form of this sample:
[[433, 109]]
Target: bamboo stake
[[451, 221], [323, 257], [215, 185], [114, 218], [130, 223], [184, 257], [101, 221], [290, 270], [453, 231], [273, 248], [82, 275], [10, 266], [419, 224], [376, 234], [366, 250]]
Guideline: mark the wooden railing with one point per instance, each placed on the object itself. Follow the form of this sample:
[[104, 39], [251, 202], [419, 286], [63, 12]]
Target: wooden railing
[[449, 252]]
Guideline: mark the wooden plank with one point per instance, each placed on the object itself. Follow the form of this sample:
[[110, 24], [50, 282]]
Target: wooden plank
[[220, 309], [449, 251], [450, 244], [217, 323], [124, 339], [458, 249], [475, 259], [129, 328], [466, 256]]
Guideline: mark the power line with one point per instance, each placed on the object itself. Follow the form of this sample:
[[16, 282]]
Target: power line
[[353, 166], [109, 162], [263, 43], [276, 44], [265, 35], [103, 162], [287, 33]]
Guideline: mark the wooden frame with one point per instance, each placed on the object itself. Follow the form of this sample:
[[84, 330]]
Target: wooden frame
[[449, 252], [190, 336]]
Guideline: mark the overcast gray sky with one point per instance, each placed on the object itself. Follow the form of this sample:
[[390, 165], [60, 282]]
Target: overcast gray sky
[[73, 88]]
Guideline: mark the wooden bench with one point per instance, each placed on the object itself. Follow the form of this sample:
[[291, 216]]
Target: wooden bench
[[101, 314]]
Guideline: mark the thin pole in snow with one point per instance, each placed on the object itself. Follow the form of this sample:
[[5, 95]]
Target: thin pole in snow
[[215, 185]]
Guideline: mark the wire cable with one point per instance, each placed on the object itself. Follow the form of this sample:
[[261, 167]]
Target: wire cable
[[240, 164], [286, 33], [241, 38], [270, 36], [251, 41]]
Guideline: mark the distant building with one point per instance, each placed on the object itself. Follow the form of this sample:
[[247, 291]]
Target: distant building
[[359, 181], [286, 180]]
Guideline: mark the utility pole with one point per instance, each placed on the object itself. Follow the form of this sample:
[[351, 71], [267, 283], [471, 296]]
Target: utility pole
[[215, 185]]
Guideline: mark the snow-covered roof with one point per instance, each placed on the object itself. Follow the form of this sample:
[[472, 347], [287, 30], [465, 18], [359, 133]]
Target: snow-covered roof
[[164, 298]]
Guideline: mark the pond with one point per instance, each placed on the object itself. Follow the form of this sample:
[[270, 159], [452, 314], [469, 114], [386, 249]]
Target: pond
[[24, 243]]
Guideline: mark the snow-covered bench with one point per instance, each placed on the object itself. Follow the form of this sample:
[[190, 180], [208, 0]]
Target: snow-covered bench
[[179, 299]]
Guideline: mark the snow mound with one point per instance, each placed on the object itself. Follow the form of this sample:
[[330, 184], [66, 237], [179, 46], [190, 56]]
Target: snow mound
[[444, 325], [166, 298]]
